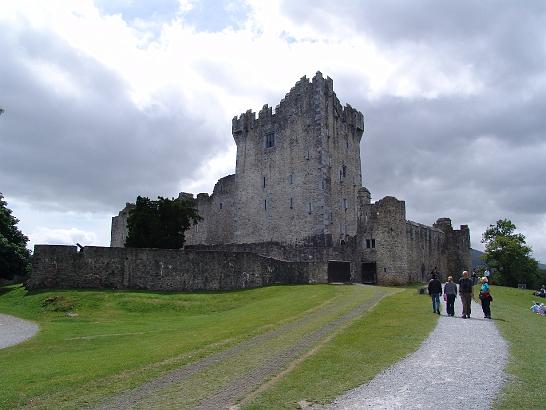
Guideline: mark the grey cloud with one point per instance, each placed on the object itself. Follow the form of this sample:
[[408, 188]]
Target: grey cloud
[[416, 139], [94, 150], [495, 36]]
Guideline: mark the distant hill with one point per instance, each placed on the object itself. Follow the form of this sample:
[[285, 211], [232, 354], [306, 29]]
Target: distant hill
[[475, 255], [476, 261]]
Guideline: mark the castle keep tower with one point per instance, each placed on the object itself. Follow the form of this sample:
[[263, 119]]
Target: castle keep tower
[[297, 173], [298, 168]]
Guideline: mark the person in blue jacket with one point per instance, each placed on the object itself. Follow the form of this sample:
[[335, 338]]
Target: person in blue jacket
[[486, 298]]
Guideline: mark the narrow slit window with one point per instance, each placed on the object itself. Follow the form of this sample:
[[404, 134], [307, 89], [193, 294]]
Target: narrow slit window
[[309, 208], [221, 205], [265, 203], [373, 243], [264, 182], [290, 179], [270, 140], [368, 243], [291, 203]]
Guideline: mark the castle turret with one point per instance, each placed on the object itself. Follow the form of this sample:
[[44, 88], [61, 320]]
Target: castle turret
[[456, 247]]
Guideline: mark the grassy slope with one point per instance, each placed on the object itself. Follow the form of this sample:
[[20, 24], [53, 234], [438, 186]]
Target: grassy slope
[[121, 339], [526, 333], [395, 328], [117, 332]]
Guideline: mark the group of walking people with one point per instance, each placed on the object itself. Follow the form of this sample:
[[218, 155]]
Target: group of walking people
[[465, 290]]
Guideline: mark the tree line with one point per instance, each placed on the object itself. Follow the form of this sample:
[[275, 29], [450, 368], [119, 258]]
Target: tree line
[[507, 252]]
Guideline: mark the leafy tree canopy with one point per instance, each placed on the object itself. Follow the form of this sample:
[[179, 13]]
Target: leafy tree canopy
[[14, 256], [507, 252], [161, 223]]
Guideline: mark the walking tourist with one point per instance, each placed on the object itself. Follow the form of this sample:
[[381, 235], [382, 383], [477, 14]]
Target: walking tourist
[[450, 292], [487, 274], [465, 290], [435, 290], [486, 298]]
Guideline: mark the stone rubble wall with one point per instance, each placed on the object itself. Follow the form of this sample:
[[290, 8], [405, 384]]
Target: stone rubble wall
[[426, 251], [63, 267]]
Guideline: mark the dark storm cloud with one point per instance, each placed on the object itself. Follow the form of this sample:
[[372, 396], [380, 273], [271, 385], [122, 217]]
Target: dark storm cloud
[[74, 139]]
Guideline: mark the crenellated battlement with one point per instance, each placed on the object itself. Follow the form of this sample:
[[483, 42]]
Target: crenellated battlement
[[305, 99], [242, 124]]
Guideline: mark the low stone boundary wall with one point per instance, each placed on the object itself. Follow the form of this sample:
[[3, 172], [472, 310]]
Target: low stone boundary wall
[[63, 267]]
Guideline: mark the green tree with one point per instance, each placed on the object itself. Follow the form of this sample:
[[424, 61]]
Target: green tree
[[161, 223], [507, 252], [14, 256]]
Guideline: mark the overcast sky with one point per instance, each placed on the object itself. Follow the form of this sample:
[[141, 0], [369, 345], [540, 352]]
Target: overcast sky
[[109, 99]]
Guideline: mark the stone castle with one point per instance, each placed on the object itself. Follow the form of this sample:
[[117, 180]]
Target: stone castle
[[297, 196]]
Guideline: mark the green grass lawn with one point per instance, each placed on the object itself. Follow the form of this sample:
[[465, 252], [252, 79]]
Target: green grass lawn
[[526, 334], [381, 337], [134, 335], [119, 339]]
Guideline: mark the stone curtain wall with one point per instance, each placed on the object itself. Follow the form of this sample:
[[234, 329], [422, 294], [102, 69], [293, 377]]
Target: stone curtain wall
[[63, 267], [218, 212], [426, 251]]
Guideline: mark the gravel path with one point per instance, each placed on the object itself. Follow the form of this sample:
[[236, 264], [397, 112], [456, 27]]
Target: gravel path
[[14, 330], [460, 365]]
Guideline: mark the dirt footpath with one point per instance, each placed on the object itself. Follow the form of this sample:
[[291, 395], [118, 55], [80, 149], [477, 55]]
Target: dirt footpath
[[225, 378]]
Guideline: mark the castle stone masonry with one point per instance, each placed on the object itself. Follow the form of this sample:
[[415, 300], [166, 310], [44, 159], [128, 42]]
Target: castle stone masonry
[[297, 196]]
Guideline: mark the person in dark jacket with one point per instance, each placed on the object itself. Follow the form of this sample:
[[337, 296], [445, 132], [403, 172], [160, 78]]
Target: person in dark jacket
[[465, 291], [435, 290], [450, 291]]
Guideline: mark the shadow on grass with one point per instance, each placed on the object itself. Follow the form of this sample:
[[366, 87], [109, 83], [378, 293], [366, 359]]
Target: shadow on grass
[[8, 288], [159, 292]]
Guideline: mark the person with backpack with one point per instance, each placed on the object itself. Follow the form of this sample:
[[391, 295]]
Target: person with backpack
[[435, 291], [465, 291]]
